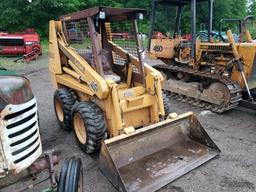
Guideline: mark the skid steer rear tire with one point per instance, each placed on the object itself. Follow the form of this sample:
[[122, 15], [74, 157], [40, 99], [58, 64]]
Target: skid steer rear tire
[[64, 99], [71, 176], [167, 104], [89, 126]]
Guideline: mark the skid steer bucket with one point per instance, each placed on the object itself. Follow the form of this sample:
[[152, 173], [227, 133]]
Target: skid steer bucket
[[153, 156]]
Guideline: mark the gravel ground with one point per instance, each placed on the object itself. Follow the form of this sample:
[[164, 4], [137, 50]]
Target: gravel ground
[[234, 132]]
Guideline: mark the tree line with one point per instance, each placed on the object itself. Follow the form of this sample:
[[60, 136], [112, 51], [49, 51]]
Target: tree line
[[17, 15]]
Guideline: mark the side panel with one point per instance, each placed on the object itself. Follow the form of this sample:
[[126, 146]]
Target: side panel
[[162, 48], [247, 51], [136, 118]]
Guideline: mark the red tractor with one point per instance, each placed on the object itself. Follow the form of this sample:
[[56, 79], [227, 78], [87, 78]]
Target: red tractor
[[25, 43]]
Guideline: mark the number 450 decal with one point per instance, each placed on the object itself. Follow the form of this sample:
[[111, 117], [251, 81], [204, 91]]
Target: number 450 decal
[[158, 48]]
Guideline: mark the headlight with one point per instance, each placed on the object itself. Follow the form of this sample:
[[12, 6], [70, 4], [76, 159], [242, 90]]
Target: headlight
[[29, 43]]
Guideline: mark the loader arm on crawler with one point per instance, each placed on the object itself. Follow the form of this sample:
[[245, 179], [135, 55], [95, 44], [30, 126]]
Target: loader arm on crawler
[[114, 102]]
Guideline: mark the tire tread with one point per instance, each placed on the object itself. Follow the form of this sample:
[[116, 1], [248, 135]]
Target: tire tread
[[94, 121]]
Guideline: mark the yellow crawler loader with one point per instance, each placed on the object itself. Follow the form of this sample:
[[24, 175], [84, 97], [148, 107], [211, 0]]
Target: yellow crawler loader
[[114, 103], [218, 74]]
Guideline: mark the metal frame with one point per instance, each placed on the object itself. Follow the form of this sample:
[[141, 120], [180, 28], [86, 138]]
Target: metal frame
[[180, 4], [242, 24], [193, 25], [210, 18], [222, 21], [178, 21], [110, 13]]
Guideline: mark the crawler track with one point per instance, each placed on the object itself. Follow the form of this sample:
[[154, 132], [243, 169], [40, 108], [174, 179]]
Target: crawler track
[[233, 87]]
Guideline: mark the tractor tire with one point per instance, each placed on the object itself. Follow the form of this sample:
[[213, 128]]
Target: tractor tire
[[64, 100], [88, 123], [167, 104], [71, 176]]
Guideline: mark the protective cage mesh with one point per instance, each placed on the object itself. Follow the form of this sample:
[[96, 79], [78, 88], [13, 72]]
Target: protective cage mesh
[[77, 35], [122, 33]]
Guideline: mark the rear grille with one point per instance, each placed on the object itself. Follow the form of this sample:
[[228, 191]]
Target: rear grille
[[21, 139]]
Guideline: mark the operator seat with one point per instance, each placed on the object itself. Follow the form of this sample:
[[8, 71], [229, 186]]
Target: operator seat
[[107, 64]]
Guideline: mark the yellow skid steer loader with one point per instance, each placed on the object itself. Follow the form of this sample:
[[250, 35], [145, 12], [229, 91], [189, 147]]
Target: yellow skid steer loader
[[114, 102]]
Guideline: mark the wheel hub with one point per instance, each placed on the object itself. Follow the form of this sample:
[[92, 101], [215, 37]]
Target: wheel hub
[[80, 129], [59, 110], [221, 92]]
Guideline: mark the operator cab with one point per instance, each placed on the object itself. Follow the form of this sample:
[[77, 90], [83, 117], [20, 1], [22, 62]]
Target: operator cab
[[109, 31], [165, 41]]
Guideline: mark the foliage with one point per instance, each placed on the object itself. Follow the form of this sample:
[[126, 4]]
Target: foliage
[[20, 14], [17, 15], [252, 24], [222, 9]]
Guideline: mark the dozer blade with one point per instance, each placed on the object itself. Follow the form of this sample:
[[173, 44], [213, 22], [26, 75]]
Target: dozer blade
[[153, 156]]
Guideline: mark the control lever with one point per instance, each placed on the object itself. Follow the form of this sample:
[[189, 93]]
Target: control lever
[[241, 70]]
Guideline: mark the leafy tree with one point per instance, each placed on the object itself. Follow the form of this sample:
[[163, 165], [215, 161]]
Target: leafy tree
[[17, 15], [20, 14]]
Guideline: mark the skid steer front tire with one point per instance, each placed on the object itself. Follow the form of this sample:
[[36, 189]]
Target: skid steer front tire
[[64, 100], [89, 126]]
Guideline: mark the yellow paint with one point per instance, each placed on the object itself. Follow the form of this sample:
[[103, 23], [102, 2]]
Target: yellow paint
[[163, 48], [244, 52], [247, 52], [129, 130], [137, 118], [248, 36], [126, 105]]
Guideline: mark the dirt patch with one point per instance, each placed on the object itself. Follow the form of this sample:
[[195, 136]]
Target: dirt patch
[[170, 188], [239, 160], [236, 183]]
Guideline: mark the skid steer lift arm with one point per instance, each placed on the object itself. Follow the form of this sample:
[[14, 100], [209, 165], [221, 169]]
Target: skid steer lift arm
[[80, 69]]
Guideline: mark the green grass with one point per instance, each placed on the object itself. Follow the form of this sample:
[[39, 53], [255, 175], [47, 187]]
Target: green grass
[[124, 43], [83, 45], [7, 62], [45, 45]]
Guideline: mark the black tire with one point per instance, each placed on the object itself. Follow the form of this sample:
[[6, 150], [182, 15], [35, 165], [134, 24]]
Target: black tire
[[92, 122], [71, 176], [167, 104], [64, 100], [62, 178]]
